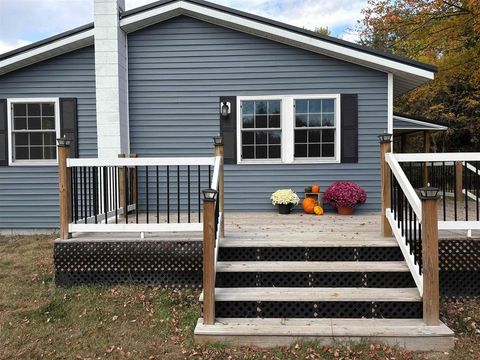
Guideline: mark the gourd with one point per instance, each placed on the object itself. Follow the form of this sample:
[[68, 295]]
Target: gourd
[[308, 204], [308, 189], [315, 189], [318, 210]]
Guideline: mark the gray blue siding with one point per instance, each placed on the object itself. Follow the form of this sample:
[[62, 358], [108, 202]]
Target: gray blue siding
[[178, 70], [29, 194]]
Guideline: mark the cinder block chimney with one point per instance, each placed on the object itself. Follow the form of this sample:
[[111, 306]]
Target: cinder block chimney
[[111, 79]]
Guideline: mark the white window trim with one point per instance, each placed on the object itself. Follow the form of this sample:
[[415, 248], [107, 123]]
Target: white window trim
[[12, 101], [287, 123]]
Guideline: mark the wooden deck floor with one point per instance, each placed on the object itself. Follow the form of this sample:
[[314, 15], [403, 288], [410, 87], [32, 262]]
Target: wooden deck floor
[[296, 229]]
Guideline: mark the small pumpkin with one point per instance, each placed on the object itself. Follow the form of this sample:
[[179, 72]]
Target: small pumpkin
[[308, 204], [308, 189], [315, 189], [318, 210]]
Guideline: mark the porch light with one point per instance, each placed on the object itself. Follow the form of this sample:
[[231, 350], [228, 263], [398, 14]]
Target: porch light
[[209, 194], [428, 192], [64, 141], [225, 108], [385, 138], [218, 140]]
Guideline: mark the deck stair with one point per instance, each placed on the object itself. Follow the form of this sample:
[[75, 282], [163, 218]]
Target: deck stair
[[273, 289]]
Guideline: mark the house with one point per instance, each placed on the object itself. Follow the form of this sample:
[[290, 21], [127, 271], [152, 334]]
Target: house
[[134, 100], [304, 107]]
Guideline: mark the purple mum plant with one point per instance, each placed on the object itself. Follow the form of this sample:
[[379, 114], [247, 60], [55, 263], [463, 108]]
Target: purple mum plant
[[345, 194]]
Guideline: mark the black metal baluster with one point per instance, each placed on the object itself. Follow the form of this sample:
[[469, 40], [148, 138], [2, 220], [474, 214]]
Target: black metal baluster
[[199, 212], [105, 193], [178, 194], [168, 194], [75, 193], [455, 190], [444, 190], [72, 192], [127, 176], [465, 184], [85, 194], [158, 199], [89, 193], [137, 210], [476, 187], [115, 192], [95, 194], [146, 190], [188, 195]]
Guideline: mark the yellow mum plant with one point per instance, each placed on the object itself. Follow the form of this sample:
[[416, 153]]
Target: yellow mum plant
[[284, 197]]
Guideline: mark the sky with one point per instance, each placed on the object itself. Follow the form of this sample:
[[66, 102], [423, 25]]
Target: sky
[[25, 21]]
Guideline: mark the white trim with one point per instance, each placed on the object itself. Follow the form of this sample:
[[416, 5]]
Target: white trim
[[390, 106], [472, 168], [423, 157], [83, 39], [148, 17], [405, 184], [287, 125], [141, 161], [426, 125], [10, 102], [216, 173], [459, 225], [129, 228], [414, 268]]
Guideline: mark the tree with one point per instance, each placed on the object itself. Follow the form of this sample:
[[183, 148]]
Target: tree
[[442, 33], [323, 30]]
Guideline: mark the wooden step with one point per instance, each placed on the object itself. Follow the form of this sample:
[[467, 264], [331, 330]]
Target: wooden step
[[410, 333], [312, 266], [316, 294]]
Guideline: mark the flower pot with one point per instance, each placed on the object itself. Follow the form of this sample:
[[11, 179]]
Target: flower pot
[[284, 209], [343, 210]]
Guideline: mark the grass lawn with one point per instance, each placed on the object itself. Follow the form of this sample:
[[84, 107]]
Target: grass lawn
[[39, 320]]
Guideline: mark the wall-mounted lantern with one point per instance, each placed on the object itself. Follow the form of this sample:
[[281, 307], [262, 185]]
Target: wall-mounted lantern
[[225, 108]]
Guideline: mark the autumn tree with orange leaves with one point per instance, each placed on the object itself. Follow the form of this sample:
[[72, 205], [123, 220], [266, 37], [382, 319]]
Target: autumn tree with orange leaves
[[445, 34]]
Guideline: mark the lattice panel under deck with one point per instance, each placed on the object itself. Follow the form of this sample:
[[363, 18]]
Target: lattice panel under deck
[[300, 309], [310, 254], [308, 279], [165, 263]]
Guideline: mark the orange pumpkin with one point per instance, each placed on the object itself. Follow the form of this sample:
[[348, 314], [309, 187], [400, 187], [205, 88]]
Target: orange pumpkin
[[308, 204], [315, 189], [318, 210]]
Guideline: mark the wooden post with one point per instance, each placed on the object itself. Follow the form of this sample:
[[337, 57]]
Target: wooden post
[[133, 184], [426, 150], [219, 151], [121, 188], [208, 261], [64, 186], [458, 180], [431, 293], [385, 147]]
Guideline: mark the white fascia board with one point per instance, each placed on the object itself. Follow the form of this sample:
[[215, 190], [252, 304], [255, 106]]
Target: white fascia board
[[146, 18], [422, 124], [76, 41]]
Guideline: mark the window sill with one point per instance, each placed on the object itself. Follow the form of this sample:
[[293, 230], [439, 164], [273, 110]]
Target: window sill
[[33, 163], [260, 162], [316, 161]]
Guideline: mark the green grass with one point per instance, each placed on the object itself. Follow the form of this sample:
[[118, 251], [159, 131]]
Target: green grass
[[39, 320]]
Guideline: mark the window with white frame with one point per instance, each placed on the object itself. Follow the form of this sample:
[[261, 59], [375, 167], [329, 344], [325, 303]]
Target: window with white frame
[[289, 129], [261, 130], [34, 128], [314, 128]]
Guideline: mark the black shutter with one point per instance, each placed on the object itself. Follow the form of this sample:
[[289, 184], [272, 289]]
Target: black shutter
[[228, 129], [68, 123], [349, 128], [3, 133]]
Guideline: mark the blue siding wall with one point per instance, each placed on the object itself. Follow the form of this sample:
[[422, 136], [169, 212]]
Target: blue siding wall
[[29, 194], [179, 68]]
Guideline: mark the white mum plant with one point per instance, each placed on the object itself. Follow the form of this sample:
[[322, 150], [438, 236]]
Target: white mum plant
[[284, 196]]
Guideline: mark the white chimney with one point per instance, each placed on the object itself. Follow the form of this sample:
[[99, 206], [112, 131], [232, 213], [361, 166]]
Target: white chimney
[[111, 79]]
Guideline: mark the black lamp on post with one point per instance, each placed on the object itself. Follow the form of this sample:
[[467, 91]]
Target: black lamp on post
[[209, 194], [385, 138], [429, 193], [63, 141], [218, 140]]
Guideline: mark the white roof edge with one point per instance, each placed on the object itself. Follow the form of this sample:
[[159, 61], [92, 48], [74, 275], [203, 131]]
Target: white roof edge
[[422, 125], [57, 47], [149, 17]]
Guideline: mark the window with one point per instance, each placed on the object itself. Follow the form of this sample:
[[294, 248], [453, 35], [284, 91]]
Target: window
[[314, 128], [34, 128], [289, 129], [260, 129]]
